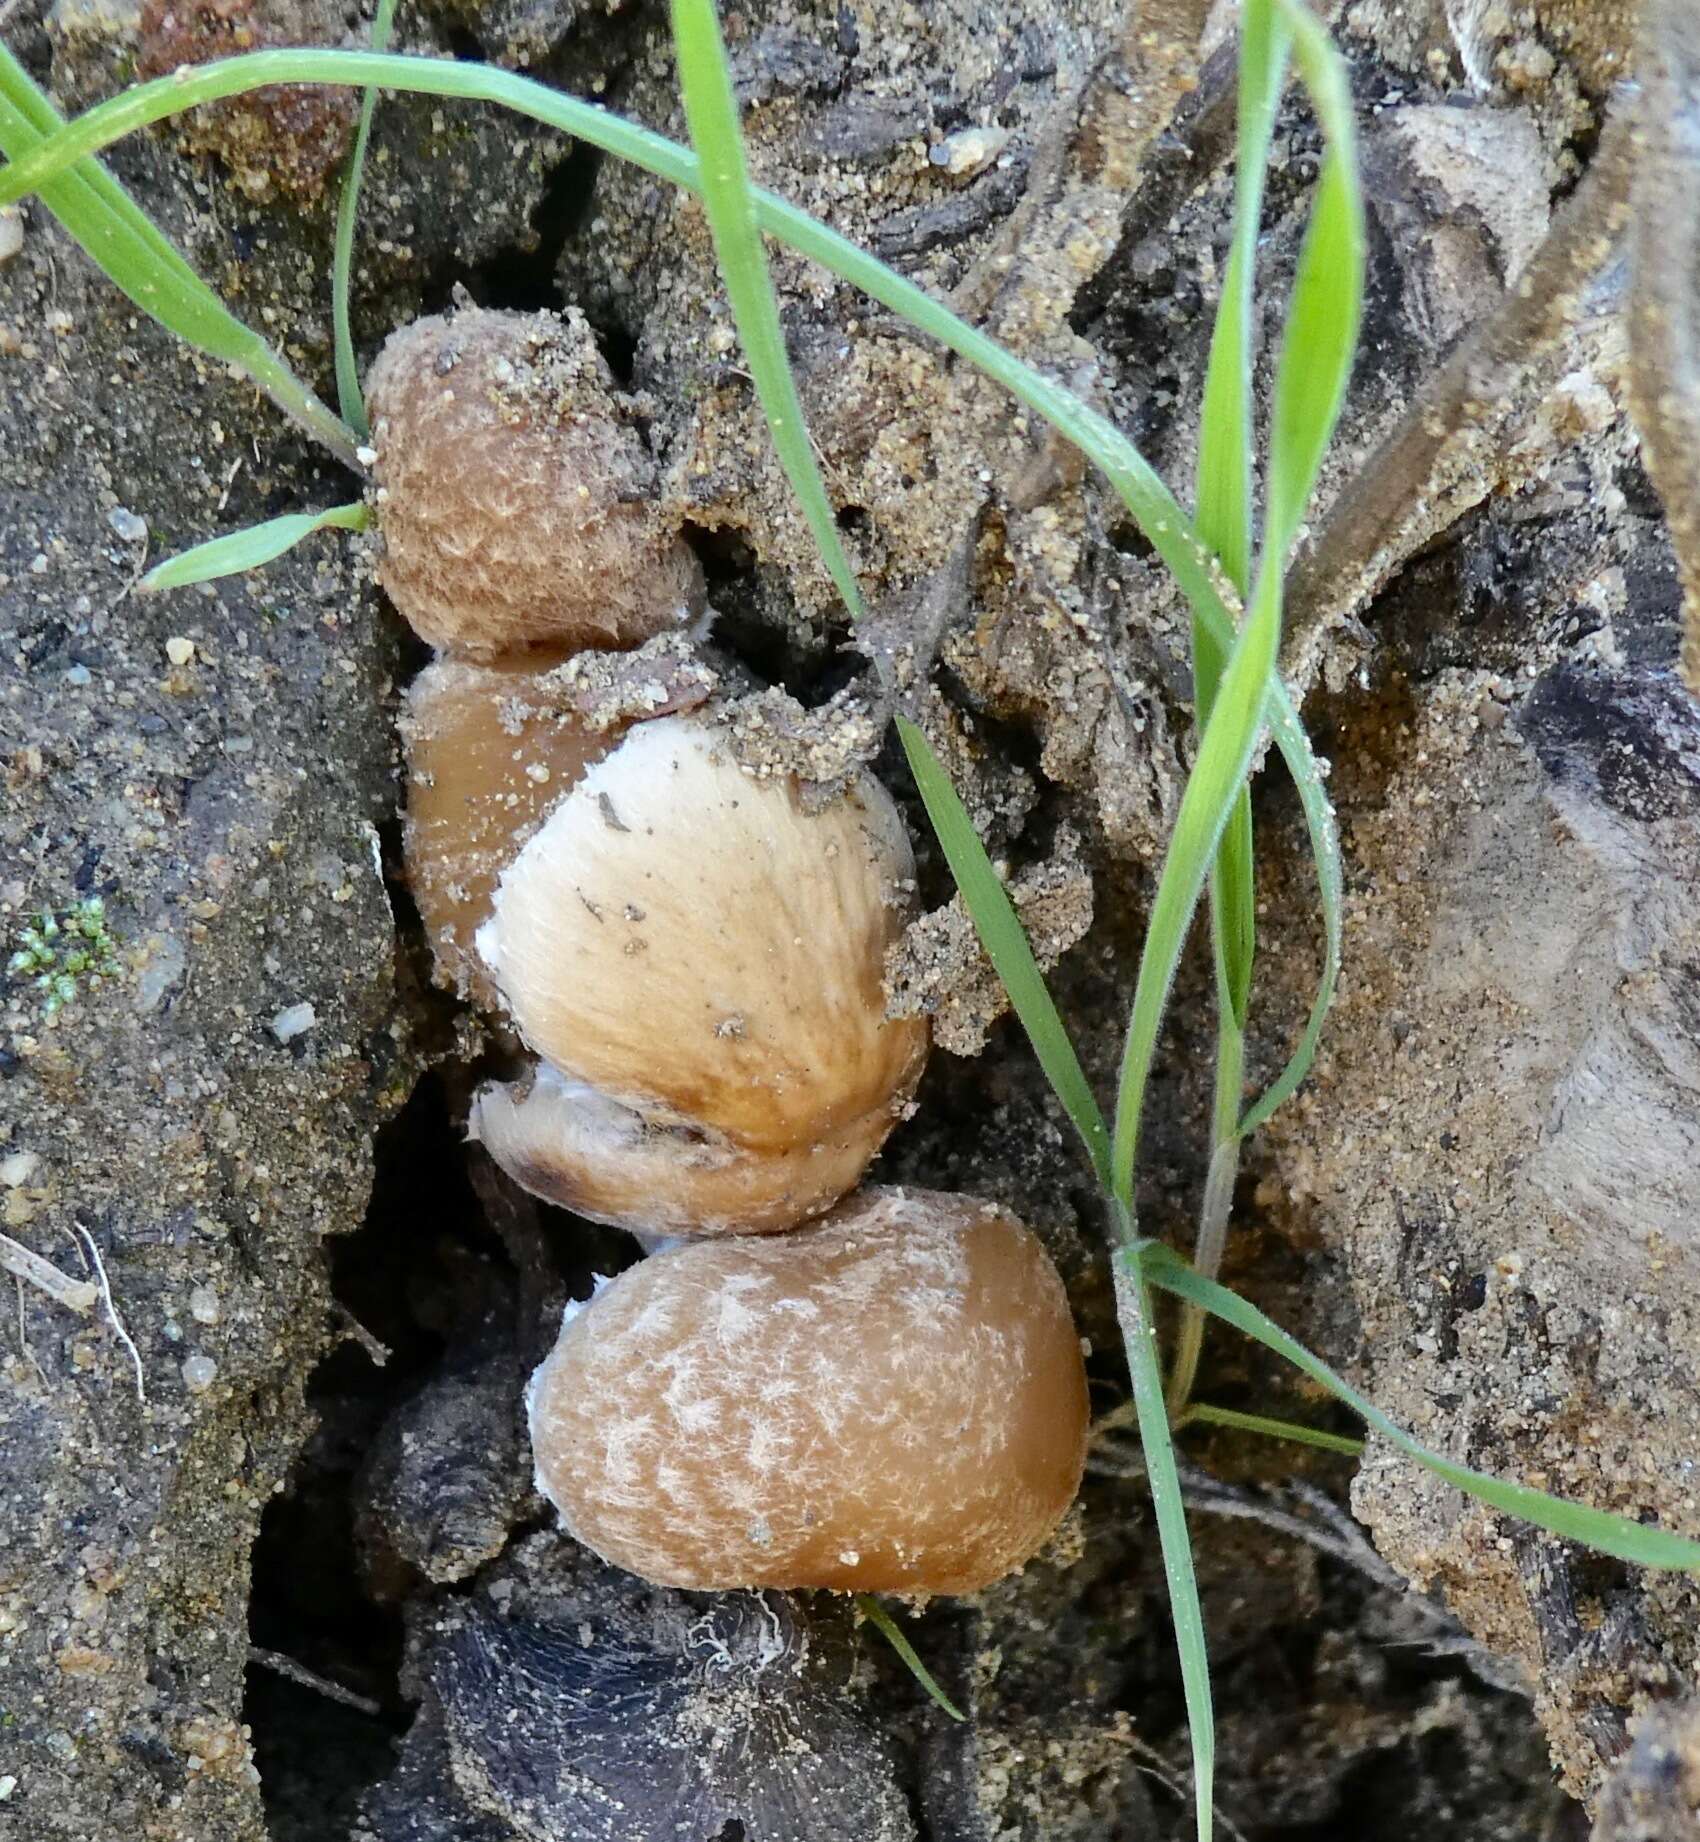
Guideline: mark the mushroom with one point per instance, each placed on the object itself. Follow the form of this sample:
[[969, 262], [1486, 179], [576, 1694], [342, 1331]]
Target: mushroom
[[490, 749], [890, 1400], [698, 963], [514, 498]]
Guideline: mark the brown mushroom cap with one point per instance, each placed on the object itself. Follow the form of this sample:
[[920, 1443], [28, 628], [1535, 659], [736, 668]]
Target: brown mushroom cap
[[515, 502], [490, 749], [701, 961], [890, 1400]]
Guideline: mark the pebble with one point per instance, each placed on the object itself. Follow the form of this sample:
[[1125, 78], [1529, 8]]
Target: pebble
[[969, 150], [203, 1305], [199, 1373], [295, 1020], [179, 650], [11, 241], [128, 525], [17, 1170]]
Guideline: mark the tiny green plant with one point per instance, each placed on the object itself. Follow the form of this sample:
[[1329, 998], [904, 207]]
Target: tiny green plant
[[1231, 574], [60, 953]]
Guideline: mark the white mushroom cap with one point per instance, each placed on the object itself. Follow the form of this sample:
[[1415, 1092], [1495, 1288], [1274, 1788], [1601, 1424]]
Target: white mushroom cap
[[701, 963]]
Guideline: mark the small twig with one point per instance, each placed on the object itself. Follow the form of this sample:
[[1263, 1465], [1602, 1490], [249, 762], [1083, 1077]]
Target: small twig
[[1410, 488], [287, 1667], [1664, 292], [24, 1336], [1332, 1531], [77, 1295], [92, 1253], [230, 481], [1176, 1780], [355, 1332]]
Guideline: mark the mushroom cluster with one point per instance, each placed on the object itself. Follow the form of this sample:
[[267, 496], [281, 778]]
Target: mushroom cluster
[[885, 1393]]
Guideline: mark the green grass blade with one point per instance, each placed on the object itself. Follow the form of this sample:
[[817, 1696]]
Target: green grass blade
[[1133, 1309], [1321, 332], [1224, 758], [892, 1632], [1316, 352], [1224, 481], [1233, 899], [1318, 810], [711, 110], [1317, 348], [250, 548], [1225, 443], [136, 257], [1596, 1528], [1000, 931], [1201, 1413], [1225, 522], [349, 396]]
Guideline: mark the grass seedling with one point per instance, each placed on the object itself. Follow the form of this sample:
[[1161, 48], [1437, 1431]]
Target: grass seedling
[[1234, 589], [135, 255], [350, 398]]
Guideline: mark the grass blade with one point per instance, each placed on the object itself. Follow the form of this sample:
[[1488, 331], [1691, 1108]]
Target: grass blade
[[1597, 1528], [1224, 493], [1133, 1310], [350, 399], [1224, 476], [711, 110], [892, 1632], [1324, 833], [1000, 931], [1317, 348], [1316, 353], [250, 548], [1321, 332], [1202, 1414], [1225, 443], [127, 246], [1207, 802]]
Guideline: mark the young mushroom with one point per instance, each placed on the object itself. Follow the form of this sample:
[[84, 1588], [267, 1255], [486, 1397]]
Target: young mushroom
[[490, 749], [698, 963], [514, 497], [890, 1400]]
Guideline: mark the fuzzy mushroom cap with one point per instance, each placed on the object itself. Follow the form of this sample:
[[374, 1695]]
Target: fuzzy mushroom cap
[[490, 749], [581, 1151], [515, 502], [701, 962], [891, 1400]]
